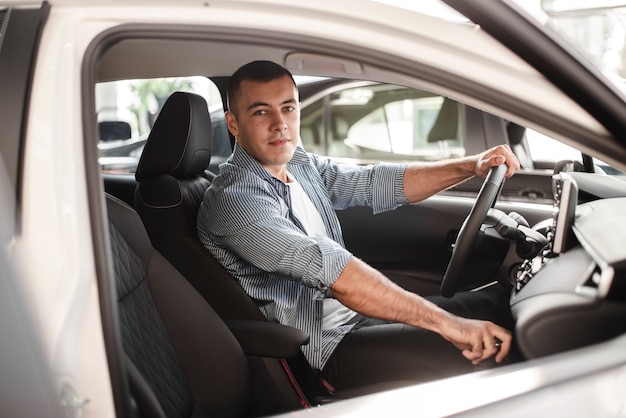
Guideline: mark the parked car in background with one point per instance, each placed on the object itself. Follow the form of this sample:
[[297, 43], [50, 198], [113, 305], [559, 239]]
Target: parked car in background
[[83, 91]]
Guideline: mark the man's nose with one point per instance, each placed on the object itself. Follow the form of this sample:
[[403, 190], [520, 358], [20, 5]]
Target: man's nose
[[279, 122]]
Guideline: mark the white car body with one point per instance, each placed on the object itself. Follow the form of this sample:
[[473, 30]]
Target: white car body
[[54, 250]]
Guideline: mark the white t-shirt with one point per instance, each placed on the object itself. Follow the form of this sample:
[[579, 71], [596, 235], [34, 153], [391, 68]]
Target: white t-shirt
[[335, 313]]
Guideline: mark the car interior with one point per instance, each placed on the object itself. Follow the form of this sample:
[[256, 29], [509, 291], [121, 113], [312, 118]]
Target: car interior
[[185, 321]]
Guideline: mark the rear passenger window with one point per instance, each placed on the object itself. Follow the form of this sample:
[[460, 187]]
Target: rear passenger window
[[375, 122], [127, 110]]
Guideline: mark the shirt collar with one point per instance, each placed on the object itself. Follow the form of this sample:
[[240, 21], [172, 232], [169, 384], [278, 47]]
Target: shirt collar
[[241, 158]]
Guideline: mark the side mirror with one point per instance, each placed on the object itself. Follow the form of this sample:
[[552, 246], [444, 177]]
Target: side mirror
[[112, 130]]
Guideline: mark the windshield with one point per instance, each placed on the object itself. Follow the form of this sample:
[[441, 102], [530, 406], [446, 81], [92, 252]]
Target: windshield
[[596, 28]]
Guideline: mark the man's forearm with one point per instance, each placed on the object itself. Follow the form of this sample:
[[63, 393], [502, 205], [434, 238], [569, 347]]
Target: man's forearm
[[422, 180], [369, 292]]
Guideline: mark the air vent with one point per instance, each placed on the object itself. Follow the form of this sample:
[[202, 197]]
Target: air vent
[[591, 286]]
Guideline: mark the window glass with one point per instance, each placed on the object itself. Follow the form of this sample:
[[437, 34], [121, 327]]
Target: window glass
[[382, 122], [546, 151], [127, 110]]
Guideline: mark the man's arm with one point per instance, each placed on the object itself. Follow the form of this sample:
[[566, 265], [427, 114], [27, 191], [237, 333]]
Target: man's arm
[[422, 180], [367, 291]]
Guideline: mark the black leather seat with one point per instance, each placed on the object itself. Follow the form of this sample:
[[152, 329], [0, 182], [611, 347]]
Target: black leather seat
[[172, 177], [183, 360]]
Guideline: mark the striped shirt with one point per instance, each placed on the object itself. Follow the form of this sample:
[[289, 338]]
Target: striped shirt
[[247, 223]]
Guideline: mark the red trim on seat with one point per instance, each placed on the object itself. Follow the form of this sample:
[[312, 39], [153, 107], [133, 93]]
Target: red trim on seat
[[303, 401]]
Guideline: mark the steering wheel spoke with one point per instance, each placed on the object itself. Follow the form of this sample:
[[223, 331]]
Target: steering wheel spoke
[[468, 233]]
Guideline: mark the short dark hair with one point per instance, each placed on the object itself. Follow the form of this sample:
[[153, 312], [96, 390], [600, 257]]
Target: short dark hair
[[256, 71]]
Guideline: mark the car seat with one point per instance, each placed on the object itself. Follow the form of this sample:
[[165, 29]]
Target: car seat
[[172, 177], [182, 359]]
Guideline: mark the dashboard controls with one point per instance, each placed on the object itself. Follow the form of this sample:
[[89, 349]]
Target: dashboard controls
[[560, 236]]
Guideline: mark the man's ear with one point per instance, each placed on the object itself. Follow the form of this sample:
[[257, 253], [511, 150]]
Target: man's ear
[[231, 122]]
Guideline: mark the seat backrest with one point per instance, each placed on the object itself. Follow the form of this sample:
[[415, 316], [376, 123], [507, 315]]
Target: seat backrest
[[171, 181], [178, 348]]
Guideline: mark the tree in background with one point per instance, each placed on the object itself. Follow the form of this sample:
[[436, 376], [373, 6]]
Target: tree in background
[[150, 95]]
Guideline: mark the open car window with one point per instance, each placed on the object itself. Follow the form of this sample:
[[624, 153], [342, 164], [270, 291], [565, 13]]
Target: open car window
[[126, 111], [362, 122]]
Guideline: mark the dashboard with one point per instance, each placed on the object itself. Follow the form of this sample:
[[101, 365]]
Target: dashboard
[[573, 293]]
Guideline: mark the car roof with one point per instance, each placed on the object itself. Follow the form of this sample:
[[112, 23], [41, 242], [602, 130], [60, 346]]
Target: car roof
[[214, 38]]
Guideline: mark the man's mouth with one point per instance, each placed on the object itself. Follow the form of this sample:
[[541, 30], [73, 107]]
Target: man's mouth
[[279, 141]]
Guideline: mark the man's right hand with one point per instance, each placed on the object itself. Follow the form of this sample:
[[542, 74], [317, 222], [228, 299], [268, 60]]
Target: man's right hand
[[478, 340]]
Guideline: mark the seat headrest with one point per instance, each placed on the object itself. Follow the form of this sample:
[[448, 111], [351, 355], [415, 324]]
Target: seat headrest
[[180, 141], [446, 125], [515, 132]]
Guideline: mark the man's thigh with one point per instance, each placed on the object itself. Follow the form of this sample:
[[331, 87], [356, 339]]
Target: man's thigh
[[491, 304], [378, 351], [393, 352]]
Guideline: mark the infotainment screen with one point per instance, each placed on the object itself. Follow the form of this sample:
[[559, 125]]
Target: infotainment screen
[[565, 201]]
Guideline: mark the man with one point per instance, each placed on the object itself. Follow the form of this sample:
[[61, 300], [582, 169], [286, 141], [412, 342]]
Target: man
[[269, 218]]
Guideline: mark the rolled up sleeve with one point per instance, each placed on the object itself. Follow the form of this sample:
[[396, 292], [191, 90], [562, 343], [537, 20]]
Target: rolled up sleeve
[[387, 187], [320, 267], [275, 246], [265, 238], [379, 186]]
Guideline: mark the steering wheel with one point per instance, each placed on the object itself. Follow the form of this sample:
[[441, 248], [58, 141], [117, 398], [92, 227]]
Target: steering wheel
[[469, 230]]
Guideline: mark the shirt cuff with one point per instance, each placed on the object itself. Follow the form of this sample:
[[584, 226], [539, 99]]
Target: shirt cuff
[[388, 187], [323, 270]]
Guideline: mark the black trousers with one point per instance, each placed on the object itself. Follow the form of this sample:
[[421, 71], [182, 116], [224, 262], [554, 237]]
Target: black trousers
[[377, 351]]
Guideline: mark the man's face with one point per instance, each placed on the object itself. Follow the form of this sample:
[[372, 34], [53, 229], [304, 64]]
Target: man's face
[[267, 122]]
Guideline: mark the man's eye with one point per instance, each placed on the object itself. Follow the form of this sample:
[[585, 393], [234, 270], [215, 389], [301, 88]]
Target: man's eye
[[260, 112], [290, 109]]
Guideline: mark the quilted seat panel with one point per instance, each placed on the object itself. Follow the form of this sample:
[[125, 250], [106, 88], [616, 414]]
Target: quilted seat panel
[[144, 335]]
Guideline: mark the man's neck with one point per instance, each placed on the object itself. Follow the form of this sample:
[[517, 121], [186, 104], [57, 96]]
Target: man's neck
[[280, 172]]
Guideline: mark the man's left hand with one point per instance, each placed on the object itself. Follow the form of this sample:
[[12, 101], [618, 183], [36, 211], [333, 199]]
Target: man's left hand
[[494, 157]]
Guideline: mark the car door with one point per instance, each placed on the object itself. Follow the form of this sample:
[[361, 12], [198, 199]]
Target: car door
[[30, 382], [360, 122], [26, 384], [62, 365]]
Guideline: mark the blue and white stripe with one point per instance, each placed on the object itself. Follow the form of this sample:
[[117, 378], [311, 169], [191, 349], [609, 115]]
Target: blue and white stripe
[[245, 221]]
